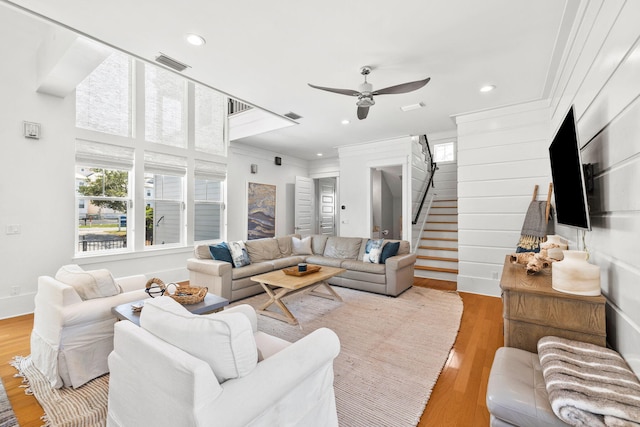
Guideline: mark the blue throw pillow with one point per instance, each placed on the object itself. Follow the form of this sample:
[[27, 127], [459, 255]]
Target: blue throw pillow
[[221, 252], [372, 251], [389, 250]]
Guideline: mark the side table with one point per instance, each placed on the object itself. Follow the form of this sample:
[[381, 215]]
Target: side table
[[211, 304]]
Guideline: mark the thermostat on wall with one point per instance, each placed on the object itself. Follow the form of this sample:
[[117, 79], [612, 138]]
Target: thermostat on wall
[[31, 130]]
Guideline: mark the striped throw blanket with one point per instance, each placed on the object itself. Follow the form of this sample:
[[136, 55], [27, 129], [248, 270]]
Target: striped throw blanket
[[589, 385]]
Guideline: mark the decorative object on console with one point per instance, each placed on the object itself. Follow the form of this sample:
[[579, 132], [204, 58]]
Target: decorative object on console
[[535, 262], [554, 246], [534, 229], [574, 275]]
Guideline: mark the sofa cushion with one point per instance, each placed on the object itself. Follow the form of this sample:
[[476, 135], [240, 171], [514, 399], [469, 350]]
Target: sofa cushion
[[251, 270], [239, 254], [220, 252], [262, 249], [284, 243], [88, 284], [318, 243], [342, 247], [301, 246], [285, 262], [367, 267], [372, 251], [323, 260], [202, 252], [224, 340], [388, 250]]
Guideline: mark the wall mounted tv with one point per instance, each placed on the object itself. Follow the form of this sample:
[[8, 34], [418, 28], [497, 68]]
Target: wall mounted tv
[[568, 175]]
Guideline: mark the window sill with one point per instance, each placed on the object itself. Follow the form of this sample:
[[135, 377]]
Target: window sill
[[120, 256]]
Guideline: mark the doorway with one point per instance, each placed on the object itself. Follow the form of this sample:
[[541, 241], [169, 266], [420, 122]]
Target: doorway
[[386, 202]]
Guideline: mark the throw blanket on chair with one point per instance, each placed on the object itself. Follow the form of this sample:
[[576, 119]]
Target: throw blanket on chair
[[589, 385]]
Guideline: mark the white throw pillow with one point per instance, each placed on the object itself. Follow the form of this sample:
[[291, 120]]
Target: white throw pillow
[[88, 284], [301, 246], [239, 254], [372, 251], [224, 340]]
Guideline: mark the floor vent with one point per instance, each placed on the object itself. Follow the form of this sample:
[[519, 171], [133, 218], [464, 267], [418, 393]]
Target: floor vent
[[170, 62]]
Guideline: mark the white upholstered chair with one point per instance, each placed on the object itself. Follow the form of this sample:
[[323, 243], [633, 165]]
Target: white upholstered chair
[[180, 369], [72, 337]]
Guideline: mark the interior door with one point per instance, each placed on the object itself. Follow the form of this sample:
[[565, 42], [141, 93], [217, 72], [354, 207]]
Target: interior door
[[303, 211], [327, 202]]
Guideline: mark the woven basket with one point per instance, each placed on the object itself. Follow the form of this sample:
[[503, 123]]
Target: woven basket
[[155, 287], [186, 295]]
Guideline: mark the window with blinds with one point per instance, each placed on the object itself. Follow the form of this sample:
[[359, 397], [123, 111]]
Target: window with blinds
[[103, 99], [210, 115], [165, 107]]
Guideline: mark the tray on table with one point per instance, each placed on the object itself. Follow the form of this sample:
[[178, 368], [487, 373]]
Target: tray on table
[[293, 271]]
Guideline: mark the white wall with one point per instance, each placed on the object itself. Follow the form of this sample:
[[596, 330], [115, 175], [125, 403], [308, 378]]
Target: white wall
[[502, 155], [601, 78], [356, 162], [239, 175]]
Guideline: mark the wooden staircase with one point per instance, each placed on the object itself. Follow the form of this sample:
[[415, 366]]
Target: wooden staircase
[[438, 248]]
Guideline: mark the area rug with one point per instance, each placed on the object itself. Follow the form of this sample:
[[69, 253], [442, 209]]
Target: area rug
[[7, 417], [392, 349], [85, 406], [392, 352]]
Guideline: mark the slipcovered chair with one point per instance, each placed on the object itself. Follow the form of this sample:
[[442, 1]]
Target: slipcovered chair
[[181, 369], [73, 325]]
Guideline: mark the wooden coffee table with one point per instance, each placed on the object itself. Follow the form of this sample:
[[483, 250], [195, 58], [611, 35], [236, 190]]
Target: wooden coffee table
[[210, 304], [277, 285]]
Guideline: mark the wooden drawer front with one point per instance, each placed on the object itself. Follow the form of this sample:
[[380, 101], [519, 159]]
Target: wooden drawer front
[[566, 314], [526, 335]]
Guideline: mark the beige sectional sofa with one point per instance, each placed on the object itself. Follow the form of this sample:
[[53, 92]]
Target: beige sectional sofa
[[391, 278]]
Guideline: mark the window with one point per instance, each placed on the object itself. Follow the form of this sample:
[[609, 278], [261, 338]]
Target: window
[[103, 99], [209, 119], [165, 106], [106, 196], [443, 152]]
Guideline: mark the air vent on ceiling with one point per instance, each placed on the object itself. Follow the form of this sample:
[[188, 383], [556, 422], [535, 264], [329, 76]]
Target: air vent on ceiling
[[170, 62], [293, 116]]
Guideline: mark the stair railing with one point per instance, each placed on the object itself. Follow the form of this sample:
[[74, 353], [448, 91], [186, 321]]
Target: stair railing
[[432, 167], [424, 221]]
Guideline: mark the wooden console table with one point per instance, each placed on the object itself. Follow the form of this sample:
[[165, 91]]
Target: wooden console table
[[532, 309]]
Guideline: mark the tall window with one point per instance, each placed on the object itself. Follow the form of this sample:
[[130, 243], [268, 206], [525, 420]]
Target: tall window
[[103, 99], [165, 107], [444, 152], [103, 196], [208, 209], [209, 120]]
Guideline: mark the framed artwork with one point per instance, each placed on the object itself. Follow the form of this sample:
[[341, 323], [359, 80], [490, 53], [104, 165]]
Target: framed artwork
[[261, 211]]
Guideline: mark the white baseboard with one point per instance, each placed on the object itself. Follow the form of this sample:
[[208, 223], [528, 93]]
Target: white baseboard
[[17, 305]]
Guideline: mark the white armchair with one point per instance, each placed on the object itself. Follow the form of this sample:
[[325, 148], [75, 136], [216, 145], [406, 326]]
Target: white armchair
[[72, 337], [155, 382]]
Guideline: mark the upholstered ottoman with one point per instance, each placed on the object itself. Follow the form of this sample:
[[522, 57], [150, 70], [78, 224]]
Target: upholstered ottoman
[[516, 393]]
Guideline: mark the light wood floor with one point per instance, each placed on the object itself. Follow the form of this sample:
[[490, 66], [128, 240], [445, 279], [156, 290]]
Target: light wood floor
[[458, 398]]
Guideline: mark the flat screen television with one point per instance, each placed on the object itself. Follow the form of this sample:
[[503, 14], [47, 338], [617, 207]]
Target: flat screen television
[[568, 175]]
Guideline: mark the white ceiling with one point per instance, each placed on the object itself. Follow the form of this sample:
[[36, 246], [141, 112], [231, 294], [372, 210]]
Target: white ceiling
[[265, 53]]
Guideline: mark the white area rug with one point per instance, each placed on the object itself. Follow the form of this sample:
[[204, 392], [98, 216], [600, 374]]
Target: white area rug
[[392, 349], [392, 352]]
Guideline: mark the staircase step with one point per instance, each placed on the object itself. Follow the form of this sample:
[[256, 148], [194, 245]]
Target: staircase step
[[436, 248], [437, 258], [438, 269], [442, 222], [442, 239], [441, 229]]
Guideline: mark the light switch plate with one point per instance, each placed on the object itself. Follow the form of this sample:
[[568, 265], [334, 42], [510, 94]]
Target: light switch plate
[[12, 229], [32, 130]]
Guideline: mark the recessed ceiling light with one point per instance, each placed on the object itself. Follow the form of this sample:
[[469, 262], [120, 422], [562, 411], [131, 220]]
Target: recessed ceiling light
[[195, 39], [319, 154], [487, 88], [345, 122]]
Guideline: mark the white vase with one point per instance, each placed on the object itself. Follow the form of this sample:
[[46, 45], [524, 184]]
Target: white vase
[[555, 252], [574, 275]]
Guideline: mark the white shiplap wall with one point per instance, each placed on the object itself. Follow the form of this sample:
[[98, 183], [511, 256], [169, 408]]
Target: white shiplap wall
[[502, 155], [601, 77]]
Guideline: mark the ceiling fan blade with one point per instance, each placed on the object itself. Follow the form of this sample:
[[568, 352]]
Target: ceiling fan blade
[[362, 112], [402, 88], [349, 92]]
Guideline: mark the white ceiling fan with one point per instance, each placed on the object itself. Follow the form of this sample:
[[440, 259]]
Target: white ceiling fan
[[366, 93]]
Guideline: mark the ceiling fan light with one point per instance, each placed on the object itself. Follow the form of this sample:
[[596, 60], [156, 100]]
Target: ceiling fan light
[[487, 88]]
